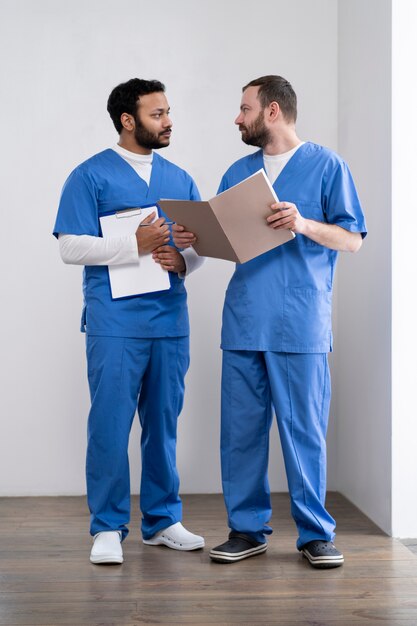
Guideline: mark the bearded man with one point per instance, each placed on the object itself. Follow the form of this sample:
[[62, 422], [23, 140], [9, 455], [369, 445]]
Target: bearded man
[[277, 329], [137, 347]]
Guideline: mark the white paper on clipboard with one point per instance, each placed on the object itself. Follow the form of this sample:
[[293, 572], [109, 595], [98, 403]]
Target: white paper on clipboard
[[132, 279]]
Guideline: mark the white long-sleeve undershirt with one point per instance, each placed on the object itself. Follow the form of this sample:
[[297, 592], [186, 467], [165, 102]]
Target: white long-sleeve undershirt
[[89, 250]]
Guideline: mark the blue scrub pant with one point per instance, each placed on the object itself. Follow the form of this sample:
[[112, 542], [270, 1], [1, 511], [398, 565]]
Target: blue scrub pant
[[298, 387], [125, 374]]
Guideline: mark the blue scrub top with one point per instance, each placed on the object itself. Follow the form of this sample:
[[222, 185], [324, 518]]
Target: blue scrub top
[[103, 183], [281, 300]]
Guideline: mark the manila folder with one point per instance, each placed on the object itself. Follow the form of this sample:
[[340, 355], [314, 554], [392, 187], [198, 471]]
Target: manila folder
[[233, 226]]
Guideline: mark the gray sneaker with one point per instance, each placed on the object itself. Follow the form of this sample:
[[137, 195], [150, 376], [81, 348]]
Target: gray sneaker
[[322, 554]]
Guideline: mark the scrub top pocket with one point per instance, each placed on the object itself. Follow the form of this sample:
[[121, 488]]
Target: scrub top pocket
[[307, 324], [311, 211]]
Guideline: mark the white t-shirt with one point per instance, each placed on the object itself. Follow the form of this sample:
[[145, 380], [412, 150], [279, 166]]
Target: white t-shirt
[[274, 164]]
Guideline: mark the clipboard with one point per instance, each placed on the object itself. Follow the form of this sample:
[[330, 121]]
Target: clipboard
[[133, 279], [231, 225]]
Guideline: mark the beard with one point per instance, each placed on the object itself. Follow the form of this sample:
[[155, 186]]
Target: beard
[[149, 140], [257, 133]]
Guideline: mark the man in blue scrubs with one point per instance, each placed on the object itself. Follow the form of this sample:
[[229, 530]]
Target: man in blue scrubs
[[277, 329], [137, 348]]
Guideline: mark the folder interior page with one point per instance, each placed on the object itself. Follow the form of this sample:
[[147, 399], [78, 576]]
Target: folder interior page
[[242, 211]]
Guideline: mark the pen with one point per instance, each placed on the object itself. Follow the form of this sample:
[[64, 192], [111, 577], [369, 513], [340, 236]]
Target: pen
[[168, 223]]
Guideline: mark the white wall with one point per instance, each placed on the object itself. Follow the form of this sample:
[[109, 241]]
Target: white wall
[[59, 61], [404, 268], [363, 342]]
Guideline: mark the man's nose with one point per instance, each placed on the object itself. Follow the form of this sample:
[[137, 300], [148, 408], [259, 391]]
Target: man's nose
[[239, 119]]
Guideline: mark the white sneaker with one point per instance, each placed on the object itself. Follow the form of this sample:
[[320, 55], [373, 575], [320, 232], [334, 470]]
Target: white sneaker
[[107, 547], [176, 537]]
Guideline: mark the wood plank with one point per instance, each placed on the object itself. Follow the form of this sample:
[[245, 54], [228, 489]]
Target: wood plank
[[46, 578]]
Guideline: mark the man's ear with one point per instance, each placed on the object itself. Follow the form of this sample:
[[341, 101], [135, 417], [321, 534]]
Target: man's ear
[[127, 121], [273, 111]]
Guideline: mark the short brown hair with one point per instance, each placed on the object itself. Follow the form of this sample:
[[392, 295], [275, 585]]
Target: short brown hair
[[276, 89]]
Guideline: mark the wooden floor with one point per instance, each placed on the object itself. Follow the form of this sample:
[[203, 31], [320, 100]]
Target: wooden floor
[[46, 577]]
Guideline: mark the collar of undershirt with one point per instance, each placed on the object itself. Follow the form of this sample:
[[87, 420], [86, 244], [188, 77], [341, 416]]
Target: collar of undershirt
[[133, 156], [284, 156]]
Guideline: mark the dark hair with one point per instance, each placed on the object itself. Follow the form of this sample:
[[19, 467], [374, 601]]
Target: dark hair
[[276, 89], [124, 98]]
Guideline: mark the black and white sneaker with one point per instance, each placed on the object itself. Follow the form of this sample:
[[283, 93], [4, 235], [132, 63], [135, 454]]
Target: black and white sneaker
[[322, 554], [239, 546]]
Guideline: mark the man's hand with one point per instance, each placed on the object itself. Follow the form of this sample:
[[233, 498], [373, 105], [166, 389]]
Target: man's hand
[[182, 238], [151, 235], [169, 258], [286, 215], [329, 235]]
